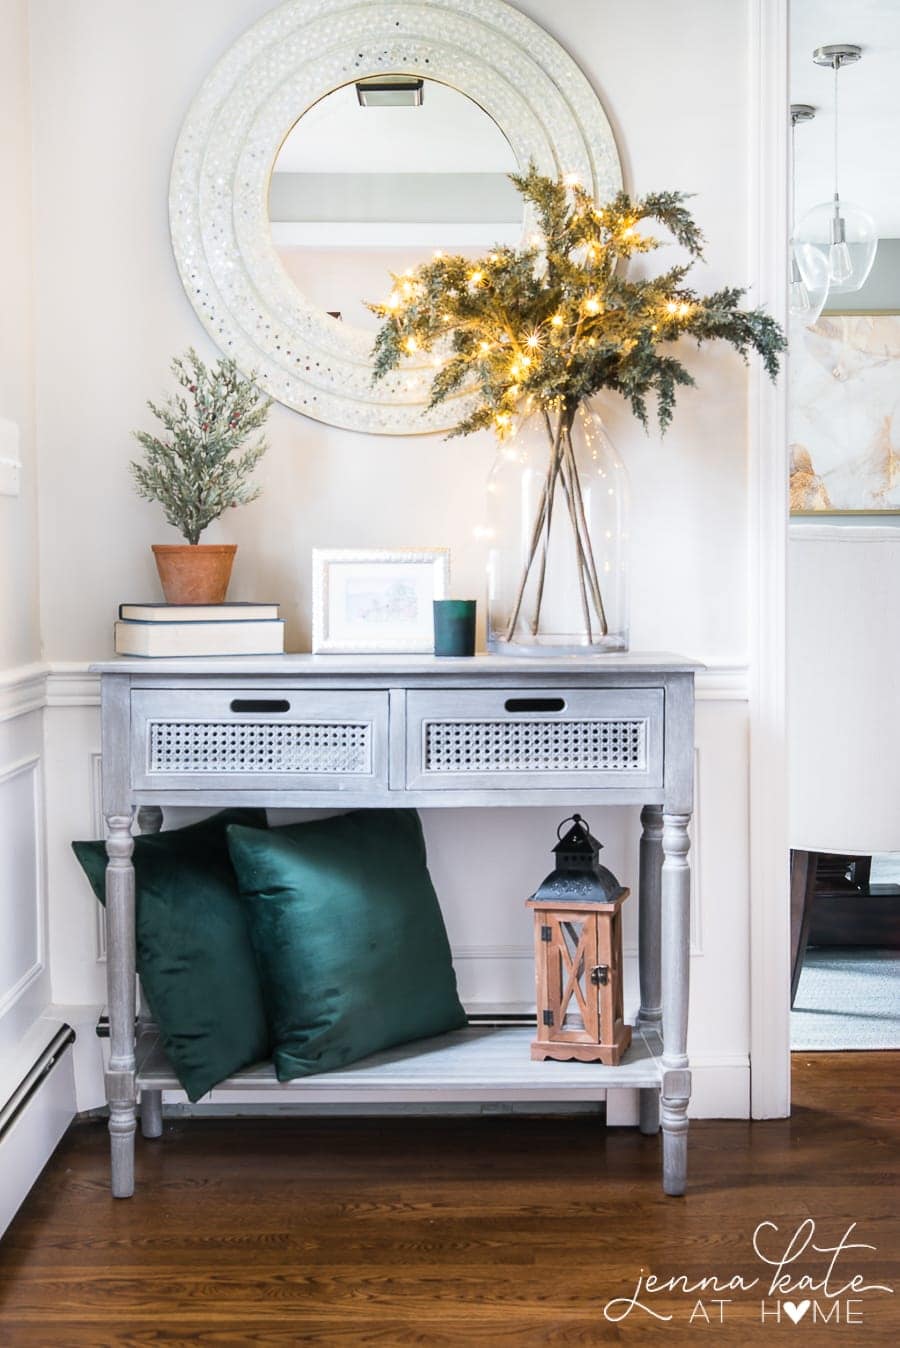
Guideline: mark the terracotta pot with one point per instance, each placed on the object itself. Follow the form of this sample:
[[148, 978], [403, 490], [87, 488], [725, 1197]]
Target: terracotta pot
[[195, 573]]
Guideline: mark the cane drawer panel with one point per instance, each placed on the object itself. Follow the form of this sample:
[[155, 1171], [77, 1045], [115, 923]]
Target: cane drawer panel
[[231, 738], [549, 736]]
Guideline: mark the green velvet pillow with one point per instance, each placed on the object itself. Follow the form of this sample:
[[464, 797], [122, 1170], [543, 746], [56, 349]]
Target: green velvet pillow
[[194, 953], [348, 935]]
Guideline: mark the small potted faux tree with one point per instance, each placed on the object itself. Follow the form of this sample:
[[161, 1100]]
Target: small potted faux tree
[[195, 470]]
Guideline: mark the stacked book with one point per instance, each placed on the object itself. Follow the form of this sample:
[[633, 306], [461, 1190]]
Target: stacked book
[[199, 629]]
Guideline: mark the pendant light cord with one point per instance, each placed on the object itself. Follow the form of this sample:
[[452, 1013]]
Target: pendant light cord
[[793, 177], [837, 66]]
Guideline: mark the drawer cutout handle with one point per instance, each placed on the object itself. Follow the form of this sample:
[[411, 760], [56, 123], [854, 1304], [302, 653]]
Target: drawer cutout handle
[[264, 705], [535, 704]]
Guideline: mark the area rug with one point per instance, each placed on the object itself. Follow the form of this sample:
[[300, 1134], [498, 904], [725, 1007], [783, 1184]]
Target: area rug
[[847, 999]]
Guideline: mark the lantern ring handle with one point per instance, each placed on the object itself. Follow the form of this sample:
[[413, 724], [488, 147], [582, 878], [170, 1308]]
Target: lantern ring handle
[[570, 819]]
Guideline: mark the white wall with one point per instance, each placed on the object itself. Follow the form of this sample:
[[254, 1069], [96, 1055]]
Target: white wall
[[19, 642], [24, 982], [112, 81], [844, 682], [25, 1029]]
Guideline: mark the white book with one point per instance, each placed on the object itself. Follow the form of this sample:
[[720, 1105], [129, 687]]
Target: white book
[[198, 613], [203, 638]]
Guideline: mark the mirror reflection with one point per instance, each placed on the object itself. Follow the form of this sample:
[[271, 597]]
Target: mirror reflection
[[379, 175]]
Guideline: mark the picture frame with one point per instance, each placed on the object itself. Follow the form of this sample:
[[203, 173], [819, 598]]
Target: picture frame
[[844, 401], [377, 600]]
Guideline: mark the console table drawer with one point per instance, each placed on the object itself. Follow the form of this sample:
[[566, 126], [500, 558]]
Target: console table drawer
[[238, 737], [510, 737]]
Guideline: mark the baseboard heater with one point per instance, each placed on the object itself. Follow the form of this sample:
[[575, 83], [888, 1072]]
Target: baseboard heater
[[35, 1077]]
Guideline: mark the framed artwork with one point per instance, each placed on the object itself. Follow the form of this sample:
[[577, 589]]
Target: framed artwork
[[845, 416], [371, 600]]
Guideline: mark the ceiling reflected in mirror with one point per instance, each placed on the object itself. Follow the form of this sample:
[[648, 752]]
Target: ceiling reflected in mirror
[[379, 175]]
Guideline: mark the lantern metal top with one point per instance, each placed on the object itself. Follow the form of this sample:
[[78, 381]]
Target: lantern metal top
[[579, 841], [578, 878]]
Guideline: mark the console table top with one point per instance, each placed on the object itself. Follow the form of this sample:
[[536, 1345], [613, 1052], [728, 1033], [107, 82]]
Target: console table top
[[631, 662]]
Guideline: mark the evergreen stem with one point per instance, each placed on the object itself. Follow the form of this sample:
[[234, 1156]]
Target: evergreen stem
[[552, 469], [587, 548]]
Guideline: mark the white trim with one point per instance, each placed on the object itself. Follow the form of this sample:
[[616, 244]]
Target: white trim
[[723, 683], [32, 765], [69, 684], [769, 907], [821, 532], [720, 1084], [22, 689], [14, 675]]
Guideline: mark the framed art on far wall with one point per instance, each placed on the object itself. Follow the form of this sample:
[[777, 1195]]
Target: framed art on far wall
[[377, 600], [845, 416]]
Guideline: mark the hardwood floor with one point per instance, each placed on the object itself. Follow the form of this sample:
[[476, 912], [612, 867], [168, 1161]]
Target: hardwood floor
[[502, 1231]]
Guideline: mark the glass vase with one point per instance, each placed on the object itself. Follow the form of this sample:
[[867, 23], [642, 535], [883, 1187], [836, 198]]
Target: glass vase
[[557, 518]]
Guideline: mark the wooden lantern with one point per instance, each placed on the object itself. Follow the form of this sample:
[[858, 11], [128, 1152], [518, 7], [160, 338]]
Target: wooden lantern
[[578, 954]]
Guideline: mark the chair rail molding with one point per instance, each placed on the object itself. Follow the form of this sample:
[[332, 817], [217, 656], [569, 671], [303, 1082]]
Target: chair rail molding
[[69, 684], [768, 478], [824, 532], [23, 688]]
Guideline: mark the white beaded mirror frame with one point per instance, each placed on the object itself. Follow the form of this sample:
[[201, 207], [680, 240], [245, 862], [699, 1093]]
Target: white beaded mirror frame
[[282, 65]]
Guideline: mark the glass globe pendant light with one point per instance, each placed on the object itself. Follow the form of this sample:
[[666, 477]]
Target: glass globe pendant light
[[810, 273], [845, 234]]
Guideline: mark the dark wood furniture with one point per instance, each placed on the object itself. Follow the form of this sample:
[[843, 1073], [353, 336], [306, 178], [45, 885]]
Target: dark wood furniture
[[834, 903]]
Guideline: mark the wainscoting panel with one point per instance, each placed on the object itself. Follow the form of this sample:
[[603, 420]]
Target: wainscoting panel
[[22, 947], [24, 976]]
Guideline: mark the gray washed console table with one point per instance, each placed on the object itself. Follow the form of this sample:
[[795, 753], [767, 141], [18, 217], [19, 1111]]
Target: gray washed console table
[[333, 731]]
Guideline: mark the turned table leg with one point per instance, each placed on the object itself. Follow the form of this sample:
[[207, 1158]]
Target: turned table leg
[[649, 918], [120, 1092], [676, 919]]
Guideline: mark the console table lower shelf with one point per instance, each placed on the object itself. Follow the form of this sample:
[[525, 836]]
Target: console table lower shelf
[[477, 1064]]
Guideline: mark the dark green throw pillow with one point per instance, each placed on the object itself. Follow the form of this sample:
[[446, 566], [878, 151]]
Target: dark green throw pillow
[[194, 953], [349, 937]]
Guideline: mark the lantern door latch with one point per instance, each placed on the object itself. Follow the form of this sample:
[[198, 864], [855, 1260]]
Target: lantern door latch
[[546, 933], [548, 1017], [600, 975]]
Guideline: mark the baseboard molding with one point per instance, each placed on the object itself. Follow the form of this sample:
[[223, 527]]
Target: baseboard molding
[[720, 1090]]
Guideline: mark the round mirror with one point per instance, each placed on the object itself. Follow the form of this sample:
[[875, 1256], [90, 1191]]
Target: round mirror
[[338, 140], [377, 177]]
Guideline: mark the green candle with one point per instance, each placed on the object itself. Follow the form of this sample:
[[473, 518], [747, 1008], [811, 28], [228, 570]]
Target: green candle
[[454, 626]]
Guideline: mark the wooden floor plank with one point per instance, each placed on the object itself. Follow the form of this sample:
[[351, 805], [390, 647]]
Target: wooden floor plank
[[449, 1231]]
